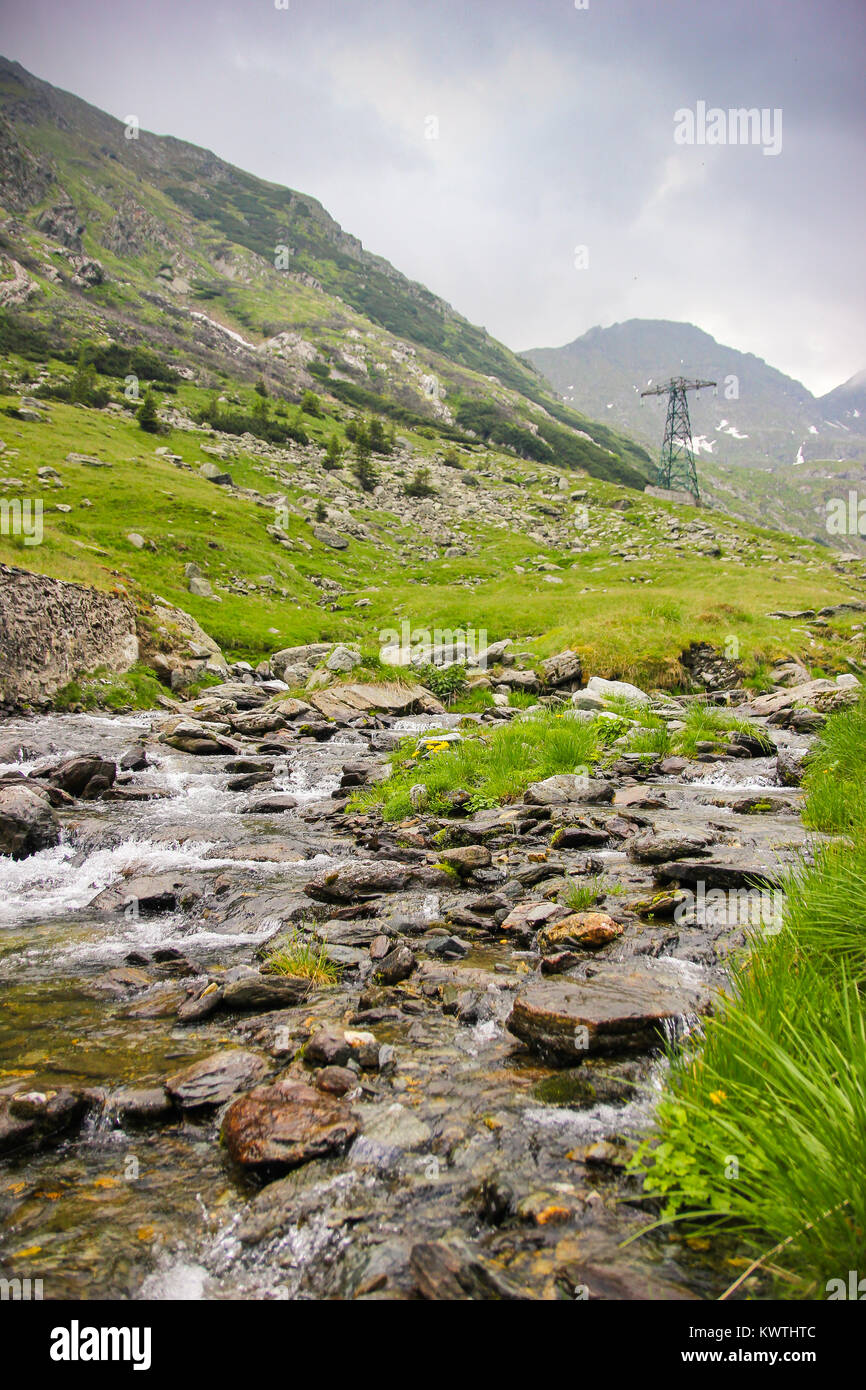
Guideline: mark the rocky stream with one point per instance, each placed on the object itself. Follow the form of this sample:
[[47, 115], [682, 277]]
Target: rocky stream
[[454, 1116]]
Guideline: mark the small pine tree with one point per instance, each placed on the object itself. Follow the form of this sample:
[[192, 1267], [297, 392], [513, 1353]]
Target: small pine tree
[[321, 512], [363, 467], [420, 486], [83, 385], [333, 453], [377, 438], [260, 387], [147, 416], [310, 404]]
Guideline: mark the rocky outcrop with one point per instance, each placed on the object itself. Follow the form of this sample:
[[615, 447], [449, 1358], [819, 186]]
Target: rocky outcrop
[[346, 702], [63, 224], [177, 647], [708, 669], [51, 632]]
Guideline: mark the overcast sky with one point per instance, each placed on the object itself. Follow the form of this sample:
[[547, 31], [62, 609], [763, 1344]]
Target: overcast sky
[[555, 131]]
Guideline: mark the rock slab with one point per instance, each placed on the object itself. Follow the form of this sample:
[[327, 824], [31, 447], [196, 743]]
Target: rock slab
[[624, 1007]]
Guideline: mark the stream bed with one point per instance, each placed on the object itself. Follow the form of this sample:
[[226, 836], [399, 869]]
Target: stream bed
[[466, 1136]]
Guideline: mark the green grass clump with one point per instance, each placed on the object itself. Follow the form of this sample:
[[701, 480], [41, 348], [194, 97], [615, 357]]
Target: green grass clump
[[137, 688], [762, 1130], [651, 740], [304, 959], [473, 702], [703, 723], [580, 897], [494, 766], [521, 699]]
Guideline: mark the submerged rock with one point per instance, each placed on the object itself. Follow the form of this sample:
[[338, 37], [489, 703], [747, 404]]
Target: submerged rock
[[450, 1270]]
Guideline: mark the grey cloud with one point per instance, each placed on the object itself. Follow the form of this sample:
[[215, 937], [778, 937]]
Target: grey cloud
[[556, 128]]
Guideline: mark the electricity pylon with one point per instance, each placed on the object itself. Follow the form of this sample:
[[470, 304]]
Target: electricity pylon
[[677, 461]]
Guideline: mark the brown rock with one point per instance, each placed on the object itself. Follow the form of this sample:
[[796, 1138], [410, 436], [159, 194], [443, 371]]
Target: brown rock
[[396, 966], [466, 859], [336, 1080], [286, 1124], [583, 930]]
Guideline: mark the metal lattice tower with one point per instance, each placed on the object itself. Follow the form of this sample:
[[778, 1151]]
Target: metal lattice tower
[[677, 460]]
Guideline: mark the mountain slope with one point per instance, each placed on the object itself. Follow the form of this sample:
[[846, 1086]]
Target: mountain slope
[[847, 403], [115, 232], [759, 418], [247, 494]]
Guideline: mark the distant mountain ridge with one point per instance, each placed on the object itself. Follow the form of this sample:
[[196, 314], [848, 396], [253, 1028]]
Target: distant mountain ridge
[[848, 401], [759, 417]]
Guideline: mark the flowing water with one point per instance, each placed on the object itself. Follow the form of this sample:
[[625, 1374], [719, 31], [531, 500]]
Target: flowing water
[[116, 1211]]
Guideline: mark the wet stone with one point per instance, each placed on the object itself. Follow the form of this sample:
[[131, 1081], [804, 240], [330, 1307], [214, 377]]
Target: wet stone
[[451, 1271], [201, 1006], [140, 1106], [34, 1118], [582, 930], [336, 1081], [397, 965], [328, 1048], [622, 1007], [257, 993], [272, 805], [658, 845], [285, 1125], [214, 1079]]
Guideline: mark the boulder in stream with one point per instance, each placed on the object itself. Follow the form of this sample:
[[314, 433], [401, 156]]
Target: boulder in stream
[[622, 1007], [34, 1118], [287, 1124], [27, 820], [214, 1079]]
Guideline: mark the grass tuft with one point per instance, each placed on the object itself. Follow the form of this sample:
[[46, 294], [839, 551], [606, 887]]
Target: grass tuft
[[304, 959]]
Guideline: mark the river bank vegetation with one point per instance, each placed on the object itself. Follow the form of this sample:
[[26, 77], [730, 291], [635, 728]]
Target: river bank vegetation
[[762, 1132]]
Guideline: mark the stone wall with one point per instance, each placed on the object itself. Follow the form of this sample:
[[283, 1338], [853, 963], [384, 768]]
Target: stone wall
[[51, 632]]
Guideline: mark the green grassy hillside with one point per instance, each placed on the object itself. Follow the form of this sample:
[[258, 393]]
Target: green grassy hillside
[[521, 550]]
